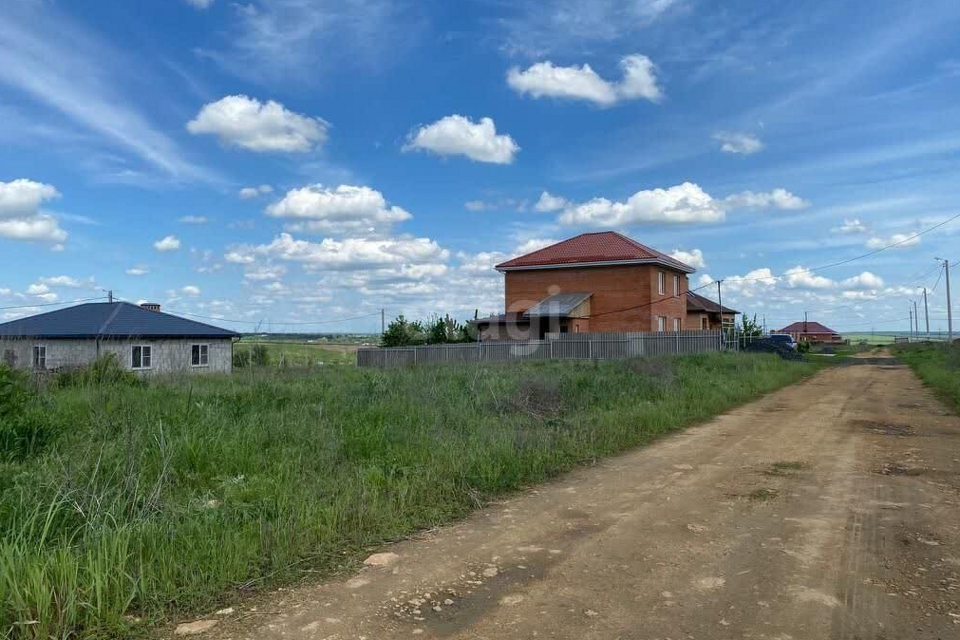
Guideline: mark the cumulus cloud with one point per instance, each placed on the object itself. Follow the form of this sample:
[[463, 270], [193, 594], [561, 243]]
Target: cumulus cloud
[[800, 278], [68, 282], [194, 220], [779, 198], [693, 258], [265, 272], [737, 142], [865, 280], [346, 254], [190, 290], [245, 122], [346, 208], [20, 214], [548, 203], [544, 79], [169, 243], [201, 4], [681, 204], [897, 240], [248, 193], [852, 226], [458, 135], [138, 270]]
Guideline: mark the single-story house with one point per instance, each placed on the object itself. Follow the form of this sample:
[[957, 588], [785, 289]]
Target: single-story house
[[143, 338], [594, 282], [812, 332], [703, 313]]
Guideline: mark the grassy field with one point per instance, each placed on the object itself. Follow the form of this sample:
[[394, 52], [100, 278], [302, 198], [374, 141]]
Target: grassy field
[[125, 504], [303, 353], [937, 364]]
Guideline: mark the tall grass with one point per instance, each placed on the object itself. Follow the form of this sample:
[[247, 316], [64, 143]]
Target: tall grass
[[162, 499], [937, 364]]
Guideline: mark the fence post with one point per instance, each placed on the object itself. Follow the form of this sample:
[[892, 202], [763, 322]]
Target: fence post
[[550, 342], [678, 343], [590, 349]]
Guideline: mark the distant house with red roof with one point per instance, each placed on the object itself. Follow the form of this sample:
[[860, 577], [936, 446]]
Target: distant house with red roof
[[811, 332], [594, 282]]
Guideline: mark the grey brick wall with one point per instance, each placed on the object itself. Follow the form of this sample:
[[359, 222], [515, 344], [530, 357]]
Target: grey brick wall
[[169, 356]]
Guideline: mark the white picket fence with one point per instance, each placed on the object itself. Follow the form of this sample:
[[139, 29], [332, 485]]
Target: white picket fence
[[573, 346]]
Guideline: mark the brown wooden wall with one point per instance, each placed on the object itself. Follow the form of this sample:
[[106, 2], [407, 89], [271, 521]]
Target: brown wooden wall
[[613, 287]]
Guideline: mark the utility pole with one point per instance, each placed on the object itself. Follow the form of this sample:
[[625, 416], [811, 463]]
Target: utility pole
[[946, 266], [110, 296], [720, 304], [916, 319], [911, 319], [383, 321], [805, 322], [926, 312]]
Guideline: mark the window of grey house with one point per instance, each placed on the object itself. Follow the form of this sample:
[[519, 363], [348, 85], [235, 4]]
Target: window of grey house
[[200, 355], [142, 357], [39, 357]]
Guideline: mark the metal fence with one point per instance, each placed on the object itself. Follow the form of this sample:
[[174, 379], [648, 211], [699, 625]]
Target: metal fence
[[572, 346]]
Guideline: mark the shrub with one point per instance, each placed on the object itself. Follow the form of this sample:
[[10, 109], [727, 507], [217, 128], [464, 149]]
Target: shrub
[[260, 355], [25, 425], [241, 358]]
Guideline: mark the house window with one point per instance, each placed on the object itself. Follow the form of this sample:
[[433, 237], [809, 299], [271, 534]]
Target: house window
[[200, 355], [676, 285], [39, 357], [661, 278], [142, 357], [676, 324], [661, 324]]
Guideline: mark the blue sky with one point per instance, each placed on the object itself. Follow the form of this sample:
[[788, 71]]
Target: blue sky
[[287, 161]]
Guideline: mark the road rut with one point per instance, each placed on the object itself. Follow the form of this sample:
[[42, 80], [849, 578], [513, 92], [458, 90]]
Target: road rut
[[826, 510]]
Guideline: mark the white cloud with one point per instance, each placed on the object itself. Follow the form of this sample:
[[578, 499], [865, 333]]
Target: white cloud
[[190, 290], [457, 135], [22, 198], [738, 142], [548, 203], [475, 205], [543, 79], [800, 278], [247, 123], [248, 193], [779, 198], [694, 258], [260, 273], [534, 244], [194, 220], [346, 254], [37, 288], [169, 243], [68, 282], [201, 4], [865, 280], [138, 270], [681, 204], [20, 214], [853, 226], [897, 241], [346, 208], [239, 257]]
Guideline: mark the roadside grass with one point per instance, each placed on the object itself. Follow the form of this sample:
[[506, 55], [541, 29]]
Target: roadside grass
[[161, 500], [937, 364]]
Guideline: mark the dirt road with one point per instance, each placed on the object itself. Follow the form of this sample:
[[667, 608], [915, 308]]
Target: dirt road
[[830, 509]]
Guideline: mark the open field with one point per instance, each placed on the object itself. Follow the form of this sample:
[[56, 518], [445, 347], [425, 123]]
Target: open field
[[159, 499], [303, 353]]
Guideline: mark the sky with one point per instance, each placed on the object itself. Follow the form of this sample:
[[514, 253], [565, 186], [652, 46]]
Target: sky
[[299, 165]]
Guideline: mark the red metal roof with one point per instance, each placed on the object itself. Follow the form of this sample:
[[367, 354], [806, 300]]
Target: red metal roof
[[603, 246], [812, 327]]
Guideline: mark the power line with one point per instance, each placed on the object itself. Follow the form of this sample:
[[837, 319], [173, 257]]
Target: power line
[[54, 304], [271, 322]]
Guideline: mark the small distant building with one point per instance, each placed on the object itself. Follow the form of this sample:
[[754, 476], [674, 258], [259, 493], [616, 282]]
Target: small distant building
[[812, 332], [143, 338], [704, 313]]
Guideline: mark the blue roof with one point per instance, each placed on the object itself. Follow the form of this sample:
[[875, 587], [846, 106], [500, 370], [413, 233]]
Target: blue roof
[[558, 305], [110, 320]]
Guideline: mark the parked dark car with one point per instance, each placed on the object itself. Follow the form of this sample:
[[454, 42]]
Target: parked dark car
[[785, 339]]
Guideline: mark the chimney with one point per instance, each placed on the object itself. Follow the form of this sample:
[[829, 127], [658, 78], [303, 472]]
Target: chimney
[[151, 306]]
